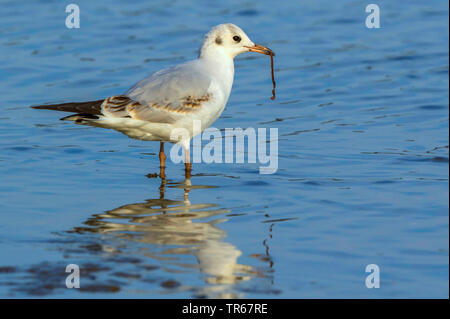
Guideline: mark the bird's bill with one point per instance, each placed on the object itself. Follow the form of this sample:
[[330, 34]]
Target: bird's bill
[[261, 49]]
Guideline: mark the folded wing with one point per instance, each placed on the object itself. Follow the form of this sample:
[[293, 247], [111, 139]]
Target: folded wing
[[170, 93], [163, 97]]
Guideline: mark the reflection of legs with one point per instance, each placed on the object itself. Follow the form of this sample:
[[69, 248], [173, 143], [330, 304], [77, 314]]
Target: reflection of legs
[[187, 163], [162, 188], [162, 160], [187, 189]]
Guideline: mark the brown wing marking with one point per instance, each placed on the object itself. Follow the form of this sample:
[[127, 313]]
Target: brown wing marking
[[187, 104], [117, 106]]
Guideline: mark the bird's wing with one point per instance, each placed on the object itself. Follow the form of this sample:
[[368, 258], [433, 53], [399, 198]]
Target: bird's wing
[[164, 96]]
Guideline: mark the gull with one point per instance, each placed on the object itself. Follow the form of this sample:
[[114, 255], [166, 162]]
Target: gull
[[172, 98]]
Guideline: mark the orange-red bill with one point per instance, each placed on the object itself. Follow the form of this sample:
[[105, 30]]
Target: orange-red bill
[[261, 49]]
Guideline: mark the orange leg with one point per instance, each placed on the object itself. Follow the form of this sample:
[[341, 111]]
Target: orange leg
[[187, 164], [162, 160]]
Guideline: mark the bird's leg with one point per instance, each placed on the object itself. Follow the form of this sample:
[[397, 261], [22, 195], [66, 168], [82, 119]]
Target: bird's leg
[[162, 161], [187, 163], [162, 156]]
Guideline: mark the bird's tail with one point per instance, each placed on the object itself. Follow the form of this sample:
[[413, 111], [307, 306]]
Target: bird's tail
[[88, 108]]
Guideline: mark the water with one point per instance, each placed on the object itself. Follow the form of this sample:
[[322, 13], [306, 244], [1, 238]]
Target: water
[[362, 117]]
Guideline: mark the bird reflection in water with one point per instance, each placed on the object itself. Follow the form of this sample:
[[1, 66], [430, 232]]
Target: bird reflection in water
[[171, 231]]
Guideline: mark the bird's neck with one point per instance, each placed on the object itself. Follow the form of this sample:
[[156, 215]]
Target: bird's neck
[[222, 65]]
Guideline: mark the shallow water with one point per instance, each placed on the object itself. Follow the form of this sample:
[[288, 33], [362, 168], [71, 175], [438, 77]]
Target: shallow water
[[362, 118]]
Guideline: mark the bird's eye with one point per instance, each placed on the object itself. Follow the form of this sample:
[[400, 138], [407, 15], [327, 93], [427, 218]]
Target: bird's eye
[[237, 38]]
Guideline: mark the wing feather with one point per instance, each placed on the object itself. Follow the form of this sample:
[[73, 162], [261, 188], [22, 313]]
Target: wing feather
[[91, 107], [169, 94]]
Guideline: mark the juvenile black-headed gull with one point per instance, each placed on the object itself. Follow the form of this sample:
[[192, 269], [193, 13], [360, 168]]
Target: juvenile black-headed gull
[[172, 98]]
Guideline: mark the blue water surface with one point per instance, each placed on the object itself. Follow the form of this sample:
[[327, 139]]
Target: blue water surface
[[363, 136]]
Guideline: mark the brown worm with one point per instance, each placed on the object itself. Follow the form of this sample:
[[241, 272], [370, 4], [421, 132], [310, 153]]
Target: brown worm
[[273, 77]]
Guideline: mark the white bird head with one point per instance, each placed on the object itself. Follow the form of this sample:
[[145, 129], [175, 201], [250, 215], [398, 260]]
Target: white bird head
[[228, 39]]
